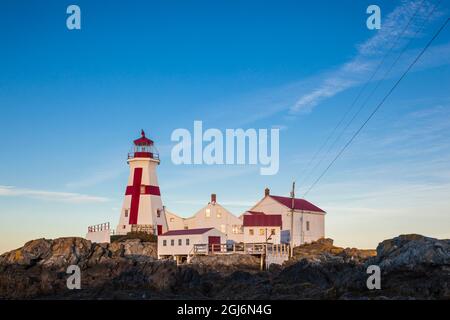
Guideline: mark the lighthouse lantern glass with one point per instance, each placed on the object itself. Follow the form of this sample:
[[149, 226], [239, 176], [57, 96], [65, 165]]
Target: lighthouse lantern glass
[[143, 147]]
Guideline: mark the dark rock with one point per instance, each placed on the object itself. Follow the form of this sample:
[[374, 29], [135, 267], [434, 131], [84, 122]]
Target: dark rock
[[412, 266]]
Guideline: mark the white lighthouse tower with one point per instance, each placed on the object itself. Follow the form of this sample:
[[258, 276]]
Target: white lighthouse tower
[[142, 209]]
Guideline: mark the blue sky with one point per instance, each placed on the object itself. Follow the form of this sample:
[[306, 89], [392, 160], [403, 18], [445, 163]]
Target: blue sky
[[71, 102]]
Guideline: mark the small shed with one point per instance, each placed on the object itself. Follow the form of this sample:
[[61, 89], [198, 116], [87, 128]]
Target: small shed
[[261, 228]]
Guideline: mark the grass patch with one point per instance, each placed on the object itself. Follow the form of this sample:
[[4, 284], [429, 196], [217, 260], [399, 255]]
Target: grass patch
[[135, 235]]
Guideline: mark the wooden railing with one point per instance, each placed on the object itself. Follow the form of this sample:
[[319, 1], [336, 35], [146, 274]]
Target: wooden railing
[[243, 248], [99, 227]]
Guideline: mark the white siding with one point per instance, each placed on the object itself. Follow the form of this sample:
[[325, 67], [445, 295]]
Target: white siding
[[174, 222], [99, 236], [316, 219], [219, 218], [257, 238], [183, 249]]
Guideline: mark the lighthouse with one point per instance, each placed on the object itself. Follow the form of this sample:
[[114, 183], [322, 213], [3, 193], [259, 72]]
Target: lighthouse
[[142, 209]]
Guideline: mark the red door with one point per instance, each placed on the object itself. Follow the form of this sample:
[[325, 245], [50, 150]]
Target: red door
[[159, 229], [216, 241]]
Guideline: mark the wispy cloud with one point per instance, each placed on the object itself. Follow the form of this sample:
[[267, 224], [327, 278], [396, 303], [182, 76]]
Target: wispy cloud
[[369, 54], [304, 95], [95, 179], [10, 191]]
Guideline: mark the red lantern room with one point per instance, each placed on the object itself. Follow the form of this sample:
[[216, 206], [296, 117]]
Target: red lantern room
[[144, 148]]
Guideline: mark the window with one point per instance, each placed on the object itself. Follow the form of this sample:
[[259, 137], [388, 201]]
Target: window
[[172, 219], [124, 226], [272, 232], [261, 232], [142, 189], [208, 212], [126, 213], [307, 225], [237, 229], [218, 213], [251, 232], [187, 242], [186, 227], [164, 243], [180, 242], [172, 242], [223, 228], [158, 213]]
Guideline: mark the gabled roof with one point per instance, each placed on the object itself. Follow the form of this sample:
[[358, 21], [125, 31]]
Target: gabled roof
[[186, 232], [299, 204], [262, 220]]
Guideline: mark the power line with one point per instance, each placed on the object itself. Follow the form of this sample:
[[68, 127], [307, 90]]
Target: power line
[[379, 105], [375, 88], [354, 102]]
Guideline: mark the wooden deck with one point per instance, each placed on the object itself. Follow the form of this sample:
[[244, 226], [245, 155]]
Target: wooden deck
[[247, 248], [269, 253]]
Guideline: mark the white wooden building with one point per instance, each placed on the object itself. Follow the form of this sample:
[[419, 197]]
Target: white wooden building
[[309, 220], [213, 215], [178, 244]]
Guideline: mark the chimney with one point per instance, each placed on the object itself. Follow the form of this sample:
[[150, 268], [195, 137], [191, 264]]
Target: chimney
[[213, 198], [267, 192]]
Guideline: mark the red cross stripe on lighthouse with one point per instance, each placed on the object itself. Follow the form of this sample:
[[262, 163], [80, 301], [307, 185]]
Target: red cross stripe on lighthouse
[[136, 190]]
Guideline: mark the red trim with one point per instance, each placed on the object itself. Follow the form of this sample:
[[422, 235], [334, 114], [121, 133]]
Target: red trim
[[299, 204], [143, 140], [135, 195], [186, 232], [213, 240], [152, 190], [143, 155], [262, 220]]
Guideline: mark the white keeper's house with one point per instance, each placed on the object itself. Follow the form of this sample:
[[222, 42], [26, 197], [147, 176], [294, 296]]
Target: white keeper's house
[[213, 215], [308, 220]]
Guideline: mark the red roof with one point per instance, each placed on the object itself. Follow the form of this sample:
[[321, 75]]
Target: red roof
[[183, 232], [262, 220], [299, 204], [143, 140]]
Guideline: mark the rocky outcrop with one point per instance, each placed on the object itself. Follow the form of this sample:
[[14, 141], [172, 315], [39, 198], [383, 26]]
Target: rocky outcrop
[[68, 251], [39, 267], [324, 250], [412, 266], [412, 253], [226, 263]]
